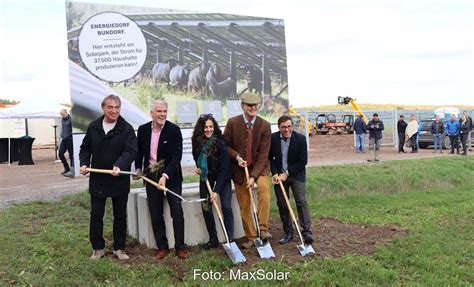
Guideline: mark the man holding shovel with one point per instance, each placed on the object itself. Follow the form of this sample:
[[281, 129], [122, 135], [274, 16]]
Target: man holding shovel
[[288, 158], [248, 140], [160, 148], [109, 143]]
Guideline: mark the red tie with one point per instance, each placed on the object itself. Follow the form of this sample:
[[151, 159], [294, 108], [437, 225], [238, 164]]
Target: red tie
[[248, 156]]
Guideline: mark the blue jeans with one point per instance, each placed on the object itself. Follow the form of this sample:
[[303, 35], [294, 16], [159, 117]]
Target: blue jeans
[[360, 141], [437, 141]]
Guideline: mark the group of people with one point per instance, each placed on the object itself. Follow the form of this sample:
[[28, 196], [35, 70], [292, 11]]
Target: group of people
[[454, 129], [247, 142]]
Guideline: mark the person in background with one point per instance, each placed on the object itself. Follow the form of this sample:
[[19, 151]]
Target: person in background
[[401, 129], [412, 133], [109, 143], [375, 128], [437, 130], [360, 129], [66, 144], [213, 164], [469, 139], [452, 129], [464, 129]]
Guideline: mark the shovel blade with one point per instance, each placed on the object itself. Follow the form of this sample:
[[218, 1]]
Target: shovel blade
[[264, 249], [305, 249], [234, 253]]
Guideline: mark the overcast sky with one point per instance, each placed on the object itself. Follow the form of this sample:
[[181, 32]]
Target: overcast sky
[[380, 51]]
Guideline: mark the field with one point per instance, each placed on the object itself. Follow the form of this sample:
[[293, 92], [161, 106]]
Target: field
[[428, 202]]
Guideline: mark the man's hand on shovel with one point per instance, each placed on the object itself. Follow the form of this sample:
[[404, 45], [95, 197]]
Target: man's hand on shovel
[[275, 179], [138, 175], [162, 182], [83, 170], [115, 171], [241, 161]]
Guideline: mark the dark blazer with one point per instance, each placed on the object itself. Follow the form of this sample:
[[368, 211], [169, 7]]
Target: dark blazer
[[235, 135], [219, 166], [170, 149], [116, 148], [297, 156]]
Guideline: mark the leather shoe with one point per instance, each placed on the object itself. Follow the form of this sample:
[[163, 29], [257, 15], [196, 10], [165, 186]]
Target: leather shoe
[[182, 254], [211, 244], [161, 254], [265, 235], [247, 244], [308, 239], [288, 237]]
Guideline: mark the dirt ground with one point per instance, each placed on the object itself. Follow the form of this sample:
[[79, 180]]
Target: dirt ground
[[43, 180], [331, 239]]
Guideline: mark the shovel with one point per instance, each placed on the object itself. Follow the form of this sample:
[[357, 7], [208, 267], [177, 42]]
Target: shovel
[[164, 189], [263, 247], [230, 248], [304, 249]]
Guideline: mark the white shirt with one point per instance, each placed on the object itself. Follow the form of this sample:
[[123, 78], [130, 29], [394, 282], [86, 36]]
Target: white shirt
[[108, 126]]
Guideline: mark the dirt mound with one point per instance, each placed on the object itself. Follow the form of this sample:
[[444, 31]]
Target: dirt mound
[[332, 239]]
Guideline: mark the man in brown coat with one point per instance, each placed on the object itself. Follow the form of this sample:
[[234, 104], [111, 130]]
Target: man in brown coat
[[248, 137]]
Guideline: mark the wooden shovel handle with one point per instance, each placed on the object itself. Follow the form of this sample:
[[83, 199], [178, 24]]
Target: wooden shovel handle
[[283, 190]]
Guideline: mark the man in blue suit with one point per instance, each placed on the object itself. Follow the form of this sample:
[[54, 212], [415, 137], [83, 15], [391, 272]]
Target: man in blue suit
[[288, 158], [160, 148]]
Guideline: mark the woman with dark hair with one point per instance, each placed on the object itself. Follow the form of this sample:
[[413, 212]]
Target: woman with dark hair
[[213, 164]]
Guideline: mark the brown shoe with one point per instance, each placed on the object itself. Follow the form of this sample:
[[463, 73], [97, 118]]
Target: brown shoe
[[247, 244], [265, 235], [182, 254], [161, 254]]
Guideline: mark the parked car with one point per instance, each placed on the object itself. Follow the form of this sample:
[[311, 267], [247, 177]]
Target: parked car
[[426, 139]]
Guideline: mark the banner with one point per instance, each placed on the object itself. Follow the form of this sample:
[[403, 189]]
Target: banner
[[199, 63]]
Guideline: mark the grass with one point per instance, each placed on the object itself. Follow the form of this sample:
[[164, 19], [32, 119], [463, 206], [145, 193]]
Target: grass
[[47, 243]]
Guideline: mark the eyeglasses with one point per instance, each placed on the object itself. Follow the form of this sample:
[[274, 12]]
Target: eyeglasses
[[205, 116]]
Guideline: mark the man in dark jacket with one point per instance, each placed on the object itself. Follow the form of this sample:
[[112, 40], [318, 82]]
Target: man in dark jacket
[[288, 158], [360, 129], [160, 148], [437, 130], [401, 129], [66, 143], [375, 128], [109, 143]]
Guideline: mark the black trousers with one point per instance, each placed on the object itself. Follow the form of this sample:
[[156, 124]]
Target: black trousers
[[464, 141], [96, 228], [66, 145], [401, 141], [156, 200], [226, 205], [414, 145], [299, 191], [454, 143]]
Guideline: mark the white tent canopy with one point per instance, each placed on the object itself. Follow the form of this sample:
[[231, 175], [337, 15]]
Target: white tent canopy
[[32, 110]]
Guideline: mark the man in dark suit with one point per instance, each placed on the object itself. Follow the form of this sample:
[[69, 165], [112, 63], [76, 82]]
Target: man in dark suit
[[109, 143], [248, 137], [160, 148], [288, 158]]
